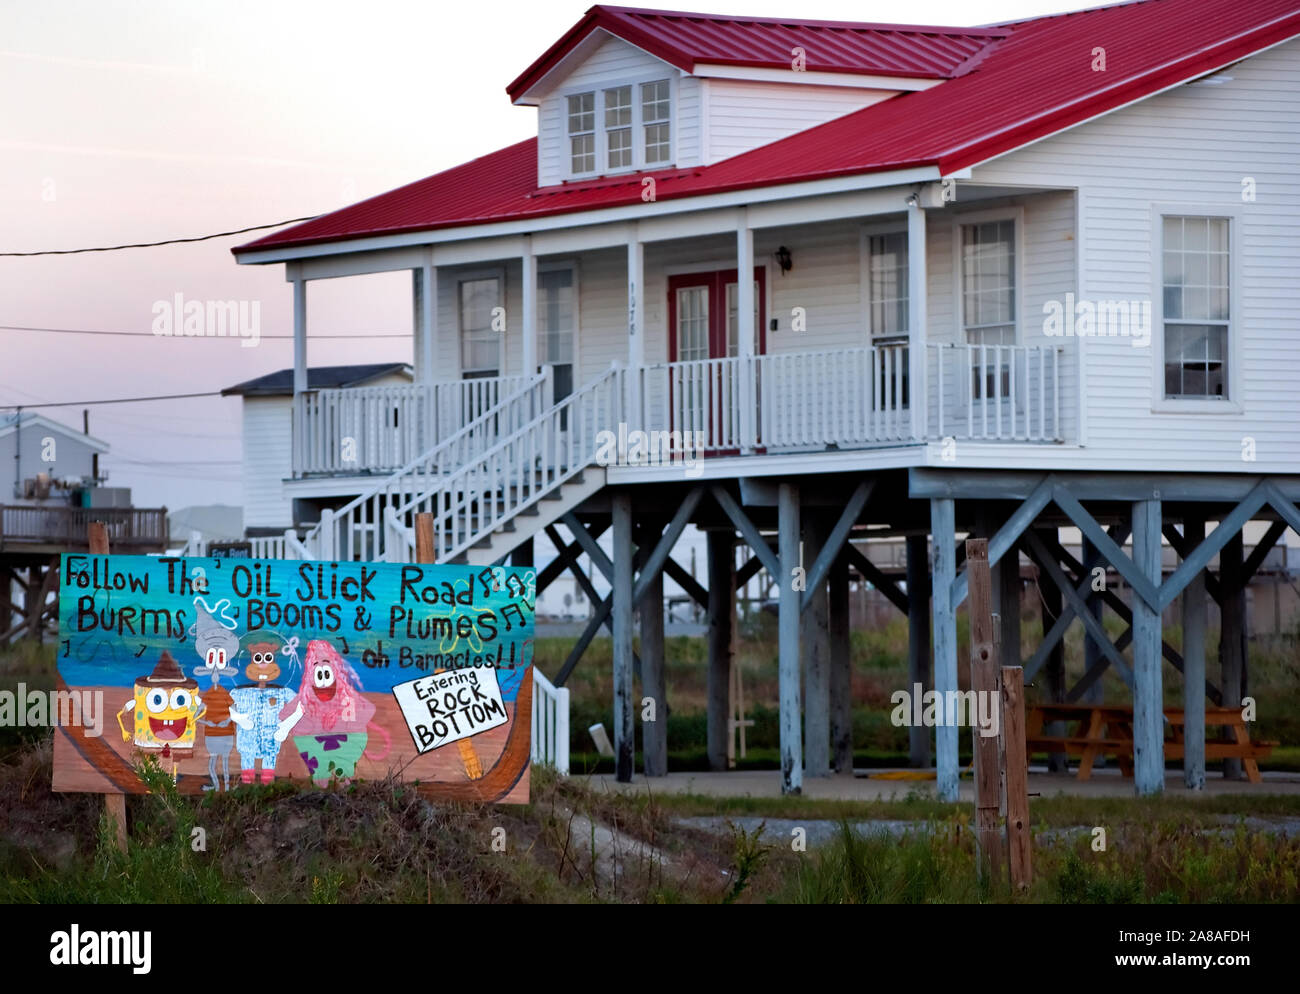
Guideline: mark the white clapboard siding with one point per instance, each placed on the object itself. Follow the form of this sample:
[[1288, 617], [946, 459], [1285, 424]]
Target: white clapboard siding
[[268, 458], [744, 114], [1192, 145]]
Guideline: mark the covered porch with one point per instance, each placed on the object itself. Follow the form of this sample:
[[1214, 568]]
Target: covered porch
[[806, 357]]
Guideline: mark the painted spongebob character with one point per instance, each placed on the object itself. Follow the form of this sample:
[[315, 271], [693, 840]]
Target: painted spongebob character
[[166, 707]]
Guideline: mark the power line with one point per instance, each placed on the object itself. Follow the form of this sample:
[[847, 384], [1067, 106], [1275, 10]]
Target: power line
[[150, 334], [116, 400], [167, 241]]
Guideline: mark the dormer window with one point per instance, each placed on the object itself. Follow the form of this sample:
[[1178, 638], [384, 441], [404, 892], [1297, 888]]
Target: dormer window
[[635, 128], [618, 127], [654, 118], [582, 132]]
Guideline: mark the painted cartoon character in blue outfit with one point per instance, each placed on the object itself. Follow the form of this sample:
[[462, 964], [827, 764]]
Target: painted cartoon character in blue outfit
[[257, 706]]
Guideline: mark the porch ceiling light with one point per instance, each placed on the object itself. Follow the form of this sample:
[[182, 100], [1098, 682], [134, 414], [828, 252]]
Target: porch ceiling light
[[783, 259]]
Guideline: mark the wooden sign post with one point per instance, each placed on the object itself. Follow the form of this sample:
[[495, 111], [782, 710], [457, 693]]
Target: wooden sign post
[[114, 803], [984, 681], [1019, 842]]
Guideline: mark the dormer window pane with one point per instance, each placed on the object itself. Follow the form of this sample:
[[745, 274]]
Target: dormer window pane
[[582, 132], [618, 127], [655, 116]]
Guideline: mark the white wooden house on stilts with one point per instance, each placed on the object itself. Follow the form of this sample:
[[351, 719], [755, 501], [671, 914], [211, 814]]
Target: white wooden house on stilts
[[861, 280]]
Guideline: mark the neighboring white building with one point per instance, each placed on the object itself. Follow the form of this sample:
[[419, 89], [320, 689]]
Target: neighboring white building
[[267, 427]]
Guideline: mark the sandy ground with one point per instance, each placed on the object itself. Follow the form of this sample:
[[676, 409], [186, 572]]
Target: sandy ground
[[767, 783]]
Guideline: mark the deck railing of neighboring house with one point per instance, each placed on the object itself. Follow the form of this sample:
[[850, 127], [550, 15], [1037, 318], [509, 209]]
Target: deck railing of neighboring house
[[356, 530], [1006, 393], [357, 430], [57, 525]]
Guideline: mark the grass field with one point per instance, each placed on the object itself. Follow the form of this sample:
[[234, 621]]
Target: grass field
[[376, 842]]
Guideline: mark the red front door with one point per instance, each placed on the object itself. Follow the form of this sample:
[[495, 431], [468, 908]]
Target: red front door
[[704, 390]]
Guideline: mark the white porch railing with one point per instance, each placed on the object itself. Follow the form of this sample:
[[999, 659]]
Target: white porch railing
[[356, 530], [835, 397], [550, 723], [378, 429], [472, 502], [995, 392]]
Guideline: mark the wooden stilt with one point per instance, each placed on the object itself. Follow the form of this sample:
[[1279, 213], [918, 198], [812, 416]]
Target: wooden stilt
[[1193, 605], [1232, 634], [1092, 653], [1054, 668], [984, 676], [1016, 776], [815, 655], [943, 529], [918, 641], [624, 728], [788, 638], [841, 668], [654, 734], [1148, 701], [722, 614]]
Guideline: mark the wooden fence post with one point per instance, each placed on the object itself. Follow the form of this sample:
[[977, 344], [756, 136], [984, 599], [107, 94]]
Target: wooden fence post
[[1017, 776], [114, 804], [984, 682]]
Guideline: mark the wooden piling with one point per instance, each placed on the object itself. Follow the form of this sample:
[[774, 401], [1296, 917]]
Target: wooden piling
[[722, 614], [984, 675], [788, 639], [918, 641], [1019, 842]]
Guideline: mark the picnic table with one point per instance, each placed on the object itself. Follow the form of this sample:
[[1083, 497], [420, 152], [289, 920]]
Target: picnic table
[[1107, 730]]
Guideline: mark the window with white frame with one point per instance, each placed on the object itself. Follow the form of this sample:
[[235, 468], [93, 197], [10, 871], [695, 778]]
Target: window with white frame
[[1196, 288], [988, 303], [618, 127], [634, 129], [988, 282], [582, 132], [655, 121], [480, 342], [556, 318], [887, 285]]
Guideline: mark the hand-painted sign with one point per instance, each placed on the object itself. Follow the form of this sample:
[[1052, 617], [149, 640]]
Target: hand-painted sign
[[249, 670]]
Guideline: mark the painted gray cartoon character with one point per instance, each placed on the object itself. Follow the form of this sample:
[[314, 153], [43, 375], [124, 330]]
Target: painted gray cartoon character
[[218, 645]]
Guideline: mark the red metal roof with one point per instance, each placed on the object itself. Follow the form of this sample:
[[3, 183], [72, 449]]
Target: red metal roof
[[687, 40], [1032, 83]]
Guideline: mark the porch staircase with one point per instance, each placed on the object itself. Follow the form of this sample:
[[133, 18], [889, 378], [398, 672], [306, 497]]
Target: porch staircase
[[517, 467]]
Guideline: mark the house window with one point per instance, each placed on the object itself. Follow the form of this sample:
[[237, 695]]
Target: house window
[[655, 114], [988, 287], [887, 285], [604, 125], [1196, 299], [988, 302], [555, 323], [618, 127], [582, 132], [480, 343]]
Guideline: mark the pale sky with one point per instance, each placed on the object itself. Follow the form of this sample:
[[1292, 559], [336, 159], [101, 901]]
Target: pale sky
[[136, 121]]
